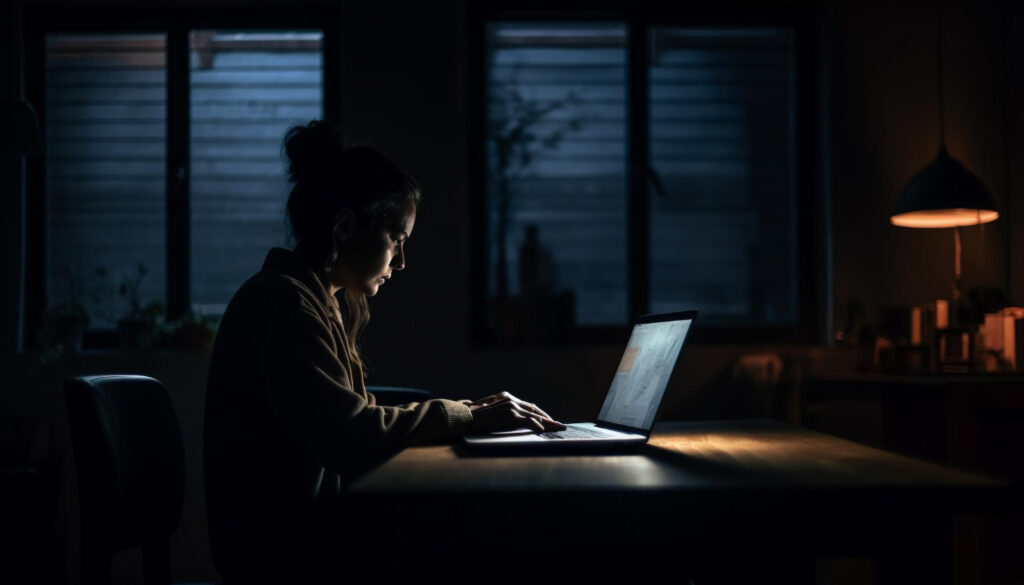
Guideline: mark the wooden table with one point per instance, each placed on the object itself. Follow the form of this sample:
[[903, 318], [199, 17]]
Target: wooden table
[[709, 496]]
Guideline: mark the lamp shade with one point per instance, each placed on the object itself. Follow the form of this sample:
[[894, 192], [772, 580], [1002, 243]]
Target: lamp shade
[[21, 135], [944, 194]]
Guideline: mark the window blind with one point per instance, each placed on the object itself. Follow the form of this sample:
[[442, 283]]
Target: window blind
[[105, 125], [247, 89], [572, 190], [722, 143]]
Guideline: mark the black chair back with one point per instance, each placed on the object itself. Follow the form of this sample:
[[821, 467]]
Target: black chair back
[[131, 471]]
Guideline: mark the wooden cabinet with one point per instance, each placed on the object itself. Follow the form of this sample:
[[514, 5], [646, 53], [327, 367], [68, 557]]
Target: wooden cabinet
[[973, 422]]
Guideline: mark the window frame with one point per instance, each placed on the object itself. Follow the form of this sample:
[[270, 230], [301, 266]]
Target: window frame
[[812, 227], [176, 23]]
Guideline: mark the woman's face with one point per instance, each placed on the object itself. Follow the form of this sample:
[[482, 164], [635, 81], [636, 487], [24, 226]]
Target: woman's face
[[369, 256]]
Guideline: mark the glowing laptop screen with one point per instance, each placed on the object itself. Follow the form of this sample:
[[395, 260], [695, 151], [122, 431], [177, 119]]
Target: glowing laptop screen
[[643, 373]]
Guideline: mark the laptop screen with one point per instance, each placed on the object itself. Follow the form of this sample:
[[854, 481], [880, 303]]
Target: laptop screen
[[643, 373]]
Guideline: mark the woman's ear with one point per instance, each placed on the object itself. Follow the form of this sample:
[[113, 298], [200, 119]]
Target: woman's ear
[[344, 225]]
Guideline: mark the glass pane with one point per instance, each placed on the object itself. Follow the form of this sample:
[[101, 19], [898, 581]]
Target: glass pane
[[722, 144], [556, 137], [106, 118], [247, 89]]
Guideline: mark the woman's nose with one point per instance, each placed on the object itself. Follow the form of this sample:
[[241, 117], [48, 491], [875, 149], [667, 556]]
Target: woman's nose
[[398, 262]]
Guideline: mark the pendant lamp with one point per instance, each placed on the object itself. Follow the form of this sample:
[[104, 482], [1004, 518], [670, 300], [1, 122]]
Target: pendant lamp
[[944, 193]]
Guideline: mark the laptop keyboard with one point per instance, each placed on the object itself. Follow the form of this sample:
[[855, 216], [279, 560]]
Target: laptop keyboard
[[575, 433]]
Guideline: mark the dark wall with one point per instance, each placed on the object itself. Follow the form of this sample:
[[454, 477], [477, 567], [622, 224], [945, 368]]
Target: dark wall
[[411, 103], [404, 91], [885, 127], [879, 75]]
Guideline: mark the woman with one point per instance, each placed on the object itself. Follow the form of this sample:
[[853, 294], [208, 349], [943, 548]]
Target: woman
[[289, 422]]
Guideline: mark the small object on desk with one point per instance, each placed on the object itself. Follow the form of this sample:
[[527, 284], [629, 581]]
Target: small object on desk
[[954, 349], [903, 358], [923, 326], [1001, 340], [941, 314], [1016, 352], [915, 325]]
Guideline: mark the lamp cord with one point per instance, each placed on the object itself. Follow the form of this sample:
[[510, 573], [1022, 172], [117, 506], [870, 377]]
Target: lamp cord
[[938, 54], [958, 253], [1007, 121]]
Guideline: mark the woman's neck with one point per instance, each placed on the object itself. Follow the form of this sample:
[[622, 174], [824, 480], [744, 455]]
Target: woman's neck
[[321, 273]]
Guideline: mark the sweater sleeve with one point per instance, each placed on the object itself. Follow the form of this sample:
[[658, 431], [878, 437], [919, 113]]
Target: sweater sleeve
[[308, 388]]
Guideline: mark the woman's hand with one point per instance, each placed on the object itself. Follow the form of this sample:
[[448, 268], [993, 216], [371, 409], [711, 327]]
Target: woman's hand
[[504, 412]]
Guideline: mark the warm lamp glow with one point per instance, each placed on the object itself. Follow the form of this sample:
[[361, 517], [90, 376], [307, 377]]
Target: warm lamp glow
[[944, 194], [944, 218]]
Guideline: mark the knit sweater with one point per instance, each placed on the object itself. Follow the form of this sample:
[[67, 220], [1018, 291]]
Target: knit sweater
[[288, 420]]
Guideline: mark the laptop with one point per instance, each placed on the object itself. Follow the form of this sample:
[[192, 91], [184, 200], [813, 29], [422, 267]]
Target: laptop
[[632, 401]]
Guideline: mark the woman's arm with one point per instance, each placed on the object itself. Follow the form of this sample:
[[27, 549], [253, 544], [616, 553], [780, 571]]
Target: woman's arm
[[505, 412], [308, 387]]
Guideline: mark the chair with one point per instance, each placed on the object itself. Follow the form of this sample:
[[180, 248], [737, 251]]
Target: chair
[[29, 489], [130, 461]]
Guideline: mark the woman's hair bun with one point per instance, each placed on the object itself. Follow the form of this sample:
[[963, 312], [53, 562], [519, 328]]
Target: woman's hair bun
[[312, 151]]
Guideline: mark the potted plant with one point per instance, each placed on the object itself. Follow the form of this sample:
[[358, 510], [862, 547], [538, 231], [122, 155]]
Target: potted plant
[[63, 324], [141, 326], [513, 130], [191, 332], [519, 128], [62, 328]]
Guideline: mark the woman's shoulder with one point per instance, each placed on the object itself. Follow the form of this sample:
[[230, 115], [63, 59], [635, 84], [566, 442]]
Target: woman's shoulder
[[284, 290], [278, 291]]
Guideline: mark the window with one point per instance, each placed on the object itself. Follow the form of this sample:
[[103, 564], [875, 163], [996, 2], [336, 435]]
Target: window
[[164, 164], [247, 89], [557, 128], [708, 214], [106, 163], [722, 149]]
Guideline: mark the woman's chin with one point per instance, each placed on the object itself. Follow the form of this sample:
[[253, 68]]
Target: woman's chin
[[370, 287]]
